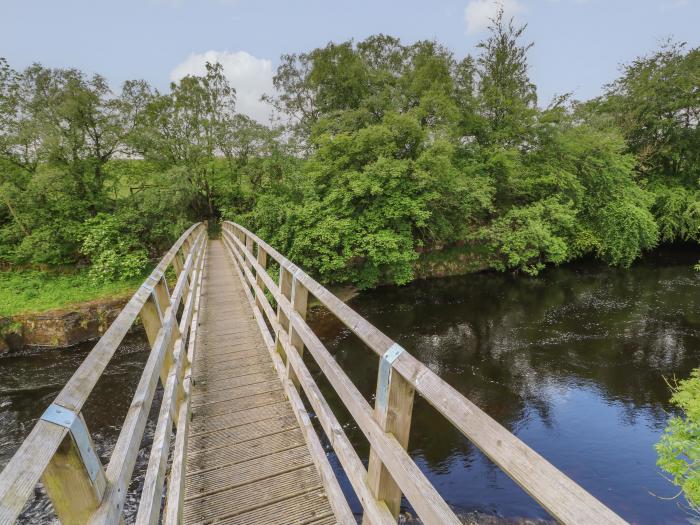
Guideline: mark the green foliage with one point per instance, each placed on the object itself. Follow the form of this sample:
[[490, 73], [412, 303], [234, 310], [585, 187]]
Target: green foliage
[[115, 252], [679, 447], [387, 151], [29, 291], [531, 236]]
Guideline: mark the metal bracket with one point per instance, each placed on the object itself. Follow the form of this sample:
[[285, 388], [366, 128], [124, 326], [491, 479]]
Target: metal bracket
[[66, 418], [156, 303], [165, 285], [385, 366]]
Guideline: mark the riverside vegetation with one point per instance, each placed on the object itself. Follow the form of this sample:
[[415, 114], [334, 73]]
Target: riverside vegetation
[[382, 155]]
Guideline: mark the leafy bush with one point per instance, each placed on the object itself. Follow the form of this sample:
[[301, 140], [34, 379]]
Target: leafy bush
[[115, 253], [530, 237], [679, 447]]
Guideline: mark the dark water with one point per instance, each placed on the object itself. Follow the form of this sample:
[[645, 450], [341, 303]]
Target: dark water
[[572, 362], [30, 381]]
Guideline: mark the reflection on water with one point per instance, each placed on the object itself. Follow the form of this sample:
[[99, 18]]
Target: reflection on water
[[573, 362], [30, 381]]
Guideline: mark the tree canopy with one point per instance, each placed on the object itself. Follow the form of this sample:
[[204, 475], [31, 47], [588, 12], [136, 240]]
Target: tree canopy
[[381, 151]]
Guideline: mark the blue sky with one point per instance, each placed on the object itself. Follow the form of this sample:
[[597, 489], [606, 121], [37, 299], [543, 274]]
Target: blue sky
[[579, 44]]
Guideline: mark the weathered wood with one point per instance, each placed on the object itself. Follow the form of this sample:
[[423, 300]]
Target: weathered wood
[[262, 262], [285, 288], [392, 410], [218, 471], [565, 500], [151, 494], [123, 459], [21, 474], [176, 482], [299, 300], [337, 499], [74, 494]]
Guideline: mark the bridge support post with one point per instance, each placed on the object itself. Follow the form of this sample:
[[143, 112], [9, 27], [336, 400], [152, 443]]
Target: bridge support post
[[285, 286], [393, 408], [262, 261], [152, 316], [74, 478], [299, 300], [249, 246]]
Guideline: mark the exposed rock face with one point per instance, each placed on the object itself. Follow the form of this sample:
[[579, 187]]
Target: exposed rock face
[[59, 328]]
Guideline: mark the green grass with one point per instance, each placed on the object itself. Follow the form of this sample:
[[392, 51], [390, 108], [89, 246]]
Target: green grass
[[30, 291]]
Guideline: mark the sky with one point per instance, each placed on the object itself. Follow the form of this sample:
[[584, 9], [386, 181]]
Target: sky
[[579, 44]]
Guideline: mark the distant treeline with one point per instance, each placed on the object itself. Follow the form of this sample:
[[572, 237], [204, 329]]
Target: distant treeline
[[380, 151]]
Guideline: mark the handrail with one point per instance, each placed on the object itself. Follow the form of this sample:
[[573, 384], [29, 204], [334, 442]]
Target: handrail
[[391, 471], [59, 449]]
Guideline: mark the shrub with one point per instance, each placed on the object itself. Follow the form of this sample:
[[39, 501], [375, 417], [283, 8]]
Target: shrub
[[679, 446]]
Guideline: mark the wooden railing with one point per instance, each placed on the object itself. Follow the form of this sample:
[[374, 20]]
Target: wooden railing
[[59, 449], [391, 471]]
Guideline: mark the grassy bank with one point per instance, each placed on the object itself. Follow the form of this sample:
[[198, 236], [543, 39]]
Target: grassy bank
[[29, 291]]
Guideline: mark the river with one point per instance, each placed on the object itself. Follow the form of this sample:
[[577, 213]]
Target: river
[[573, 362]]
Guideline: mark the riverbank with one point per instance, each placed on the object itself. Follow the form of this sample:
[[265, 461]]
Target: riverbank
[[61, 328], [57, 309]]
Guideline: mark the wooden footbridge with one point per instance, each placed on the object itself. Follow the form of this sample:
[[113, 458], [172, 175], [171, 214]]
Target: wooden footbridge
[[234, 442]]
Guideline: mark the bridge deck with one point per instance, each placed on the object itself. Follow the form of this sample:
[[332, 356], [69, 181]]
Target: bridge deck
[[247, 461]]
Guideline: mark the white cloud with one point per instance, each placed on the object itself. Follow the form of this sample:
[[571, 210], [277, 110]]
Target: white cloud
[[251, 76], [478, 13]]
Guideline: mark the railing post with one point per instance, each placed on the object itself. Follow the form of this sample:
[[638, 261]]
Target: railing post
[[74, 478], [285, 286], [393, 408], [299, 301], [152, 317], [262, 261], [249, 246]]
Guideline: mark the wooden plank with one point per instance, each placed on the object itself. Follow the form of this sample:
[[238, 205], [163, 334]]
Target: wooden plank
[[238, 418], [243, 432], [257, 494], [558, 494], [235, 453], [151, 494], [298, 510], [123, 459], [21, 474], [335, 494], [205, 482], [392, 411]]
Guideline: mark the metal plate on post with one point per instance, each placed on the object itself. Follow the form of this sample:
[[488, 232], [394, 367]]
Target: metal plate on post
[[66, 418], [385, 365], [156, 303]]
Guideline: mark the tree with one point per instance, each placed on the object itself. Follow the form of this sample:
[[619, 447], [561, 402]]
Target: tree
[[189, 128], [508, 98], [58, 129], [679, 447], [656, 105]]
